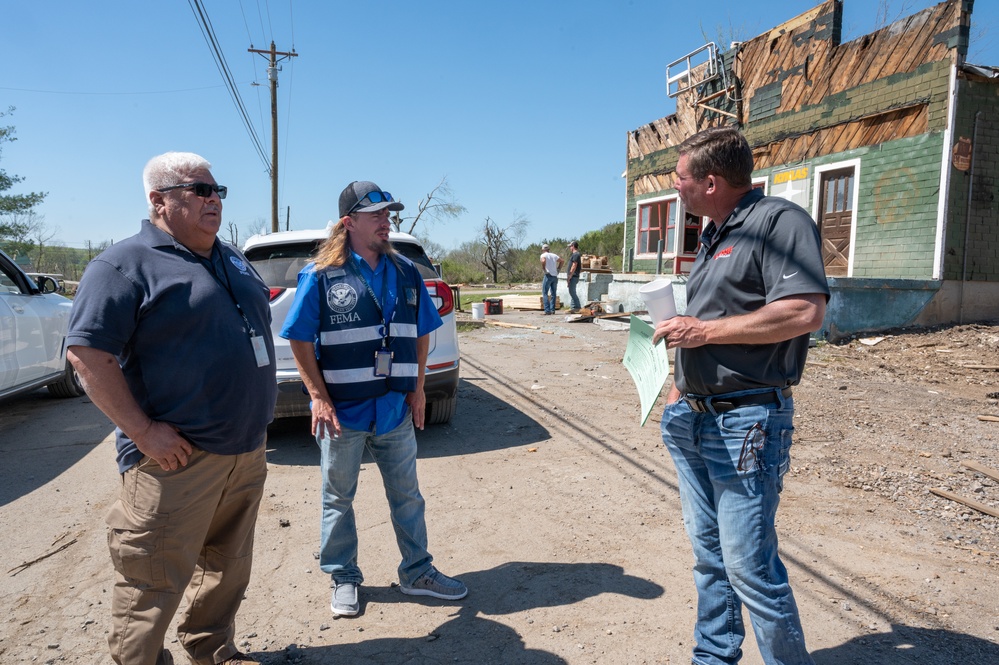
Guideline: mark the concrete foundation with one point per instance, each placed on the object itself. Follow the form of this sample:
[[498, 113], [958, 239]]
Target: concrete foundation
[[855, 305]]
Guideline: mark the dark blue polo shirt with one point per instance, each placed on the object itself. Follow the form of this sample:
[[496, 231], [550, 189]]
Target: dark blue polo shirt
[[181, 342], [767, 249]]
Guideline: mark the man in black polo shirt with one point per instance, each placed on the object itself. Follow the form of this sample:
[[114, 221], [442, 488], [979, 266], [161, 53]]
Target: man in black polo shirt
[[170, 333], [755, 292]]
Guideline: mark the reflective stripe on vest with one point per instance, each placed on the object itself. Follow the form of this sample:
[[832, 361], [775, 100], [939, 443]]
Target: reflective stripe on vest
[[351, 333]]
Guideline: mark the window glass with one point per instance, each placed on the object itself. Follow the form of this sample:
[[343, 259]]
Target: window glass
[[7, 282]]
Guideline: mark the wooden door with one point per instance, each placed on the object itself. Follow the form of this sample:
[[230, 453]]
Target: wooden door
[[836, 220]]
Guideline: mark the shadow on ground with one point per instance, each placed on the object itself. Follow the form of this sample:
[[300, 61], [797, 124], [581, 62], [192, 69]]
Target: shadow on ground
[[481, 423], [471, 637], [41, 437], [906, 645]]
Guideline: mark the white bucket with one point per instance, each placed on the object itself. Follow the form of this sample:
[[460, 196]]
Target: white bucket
[[478, 310], [610, 306]]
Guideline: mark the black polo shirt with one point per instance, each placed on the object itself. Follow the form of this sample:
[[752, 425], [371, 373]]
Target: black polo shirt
[[170, 318], [767, 249]]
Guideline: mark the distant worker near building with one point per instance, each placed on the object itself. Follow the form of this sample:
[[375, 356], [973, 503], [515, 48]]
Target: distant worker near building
[[756, 291], [551, 264], [572, 275]]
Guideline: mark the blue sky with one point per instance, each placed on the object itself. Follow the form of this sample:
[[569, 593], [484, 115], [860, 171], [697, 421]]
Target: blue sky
[[523, 105]]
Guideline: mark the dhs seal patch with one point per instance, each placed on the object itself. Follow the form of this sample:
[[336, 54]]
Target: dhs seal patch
[[341, 298], [236, 261]]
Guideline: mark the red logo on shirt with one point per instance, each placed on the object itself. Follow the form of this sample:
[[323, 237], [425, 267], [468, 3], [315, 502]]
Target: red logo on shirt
[[725, 253]]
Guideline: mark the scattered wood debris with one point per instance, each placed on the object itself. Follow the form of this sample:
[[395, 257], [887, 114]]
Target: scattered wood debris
[[971, 503], [503, 324], [981, 468]]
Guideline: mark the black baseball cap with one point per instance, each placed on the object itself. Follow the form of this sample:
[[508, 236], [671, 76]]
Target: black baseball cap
[[365, 196]]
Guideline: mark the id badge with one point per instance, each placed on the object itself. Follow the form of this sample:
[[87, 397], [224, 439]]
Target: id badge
[[383, 362], [260, 351]]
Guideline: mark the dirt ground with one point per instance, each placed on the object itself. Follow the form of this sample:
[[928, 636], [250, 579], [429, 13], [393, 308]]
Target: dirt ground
[[561, 514]]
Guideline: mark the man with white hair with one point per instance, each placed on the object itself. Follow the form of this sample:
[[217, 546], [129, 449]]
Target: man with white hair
[[170, 333]]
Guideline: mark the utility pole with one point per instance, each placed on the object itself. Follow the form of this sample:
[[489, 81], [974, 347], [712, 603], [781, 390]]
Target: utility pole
[[272, 76]]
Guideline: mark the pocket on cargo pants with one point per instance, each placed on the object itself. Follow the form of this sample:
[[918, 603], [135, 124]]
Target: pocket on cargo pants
[[136, 542]]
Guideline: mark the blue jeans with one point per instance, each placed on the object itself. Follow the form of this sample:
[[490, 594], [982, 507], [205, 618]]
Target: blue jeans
[[573, 298], [395, 455], [548, 288], [729, 516]]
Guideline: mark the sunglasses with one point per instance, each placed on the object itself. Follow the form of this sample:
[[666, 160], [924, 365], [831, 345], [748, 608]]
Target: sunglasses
[[202, 189], [372, 198]]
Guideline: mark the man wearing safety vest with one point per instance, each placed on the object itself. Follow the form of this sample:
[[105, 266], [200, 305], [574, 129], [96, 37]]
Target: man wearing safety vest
[[359, 329]]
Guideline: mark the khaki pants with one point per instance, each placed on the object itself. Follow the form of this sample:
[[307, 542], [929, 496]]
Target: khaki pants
[[183, 534]]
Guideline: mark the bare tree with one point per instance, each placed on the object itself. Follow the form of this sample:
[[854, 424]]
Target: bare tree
[[233, 233], [498, 243], [438, 204], [886, 15], [25, 233], [256, 227]]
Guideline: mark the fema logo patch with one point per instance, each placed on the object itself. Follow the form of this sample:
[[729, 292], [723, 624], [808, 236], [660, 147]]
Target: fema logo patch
[[238, 262], [341, 298]]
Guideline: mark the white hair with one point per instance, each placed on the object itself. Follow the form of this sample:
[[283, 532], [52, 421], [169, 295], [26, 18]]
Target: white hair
[[169, 169]]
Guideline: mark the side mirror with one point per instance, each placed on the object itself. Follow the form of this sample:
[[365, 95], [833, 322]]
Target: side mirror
[[47, 284]]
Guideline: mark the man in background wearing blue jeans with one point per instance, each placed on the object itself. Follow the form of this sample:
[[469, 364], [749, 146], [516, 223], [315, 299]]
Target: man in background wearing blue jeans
[[756, 291], [550, 264]]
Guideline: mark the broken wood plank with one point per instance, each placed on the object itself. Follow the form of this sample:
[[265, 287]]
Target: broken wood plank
[[980, 507], [992, 367], [981, 468], [989, 419], [503, 324]]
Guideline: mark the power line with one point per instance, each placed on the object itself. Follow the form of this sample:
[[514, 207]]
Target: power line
[[270, 25], [208, 32], [90, 92]]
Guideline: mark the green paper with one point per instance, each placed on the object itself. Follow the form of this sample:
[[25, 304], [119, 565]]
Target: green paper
[[647, 363]]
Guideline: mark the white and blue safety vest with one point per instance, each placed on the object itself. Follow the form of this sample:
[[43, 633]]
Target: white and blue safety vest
[[354, 326]]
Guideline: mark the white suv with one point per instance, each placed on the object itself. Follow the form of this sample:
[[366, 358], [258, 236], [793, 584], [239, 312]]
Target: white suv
[[278, 257], [33, 322]]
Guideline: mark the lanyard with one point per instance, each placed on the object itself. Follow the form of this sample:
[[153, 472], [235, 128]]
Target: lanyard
[[378, 304], [209, 265]]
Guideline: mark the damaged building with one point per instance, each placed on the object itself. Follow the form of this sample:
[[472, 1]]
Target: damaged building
[[891, 141]]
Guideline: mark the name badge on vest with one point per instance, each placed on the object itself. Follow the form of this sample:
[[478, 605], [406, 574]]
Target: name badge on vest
[[383, 362], [412, 296]]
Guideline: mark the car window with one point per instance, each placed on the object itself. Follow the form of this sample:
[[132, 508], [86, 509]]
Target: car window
[[7, 282], [416, 254], [279, 265]]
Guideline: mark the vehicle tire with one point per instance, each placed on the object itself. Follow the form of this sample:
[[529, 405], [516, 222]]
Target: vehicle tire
[[441, 411], [69, 385]]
